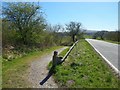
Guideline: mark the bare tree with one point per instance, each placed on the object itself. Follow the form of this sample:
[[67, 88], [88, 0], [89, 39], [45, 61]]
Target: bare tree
[[74, 29]]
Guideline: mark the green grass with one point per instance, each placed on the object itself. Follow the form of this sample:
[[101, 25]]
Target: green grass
[[64, 52], [87, 36], [85, 69], [0, 72], [14, 73], [115, 42]]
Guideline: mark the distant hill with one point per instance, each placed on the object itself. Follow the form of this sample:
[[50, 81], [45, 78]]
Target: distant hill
[[90, 32]]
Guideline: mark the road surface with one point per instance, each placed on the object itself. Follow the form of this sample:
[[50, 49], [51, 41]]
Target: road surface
[[107, 50]]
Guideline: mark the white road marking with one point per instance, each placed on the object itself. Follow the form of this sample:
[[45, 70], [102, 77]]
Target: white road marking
[[115, 69]]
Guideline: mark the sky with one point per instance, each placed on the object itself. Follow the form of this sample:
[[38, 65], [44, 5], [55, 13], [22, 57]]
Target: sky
[[60, 0], [92, 15]]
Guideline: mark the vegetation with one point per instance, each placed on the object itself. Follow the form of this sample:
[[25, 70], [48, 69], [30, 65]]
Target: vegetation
[[26, 21], [99, 34], [88, 36], [74, 29], [112, 36], [64, 52], [27, 30], [0, 72], [115, 42], [14, 73], [0, 54], [26, 35], [84, 69]]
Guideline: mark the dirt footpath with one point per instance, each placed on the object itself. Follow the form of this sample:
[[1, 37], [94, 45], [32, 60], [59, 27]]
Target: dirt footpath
[[38, 71]]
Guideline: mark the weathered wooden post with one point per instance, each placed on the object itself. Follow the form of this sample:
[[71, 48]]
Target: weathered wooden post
[[55, 61]]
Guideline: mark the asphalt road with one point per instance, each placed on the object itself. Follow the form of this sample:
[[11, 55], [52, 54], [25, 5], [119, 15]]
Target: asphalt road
[[108, 50]]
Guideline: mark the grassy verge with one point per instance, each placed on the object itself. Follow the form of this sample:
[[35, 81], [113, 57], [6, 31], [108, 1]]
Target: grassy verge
[[15, 72], [64, 52], [84, 69], [88, 36], [115, 42], [0, 72]]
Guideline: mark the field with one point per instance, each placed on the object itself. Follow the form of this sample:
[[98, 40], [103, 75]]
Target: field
[[84, 69]]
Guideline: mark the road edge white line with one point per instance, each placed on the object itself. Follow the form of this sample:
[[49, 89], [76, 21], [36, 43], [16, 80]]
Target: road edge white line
[[115, 69]]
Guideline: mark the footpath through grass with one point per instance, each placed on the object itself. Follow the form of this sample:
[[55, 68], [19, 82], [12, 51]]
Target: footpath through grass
[[84, 69], [14, 73]]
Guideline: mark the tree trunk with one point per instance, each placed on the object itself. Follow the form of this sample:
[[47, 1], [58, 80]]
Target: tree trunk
[[73, 38]]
